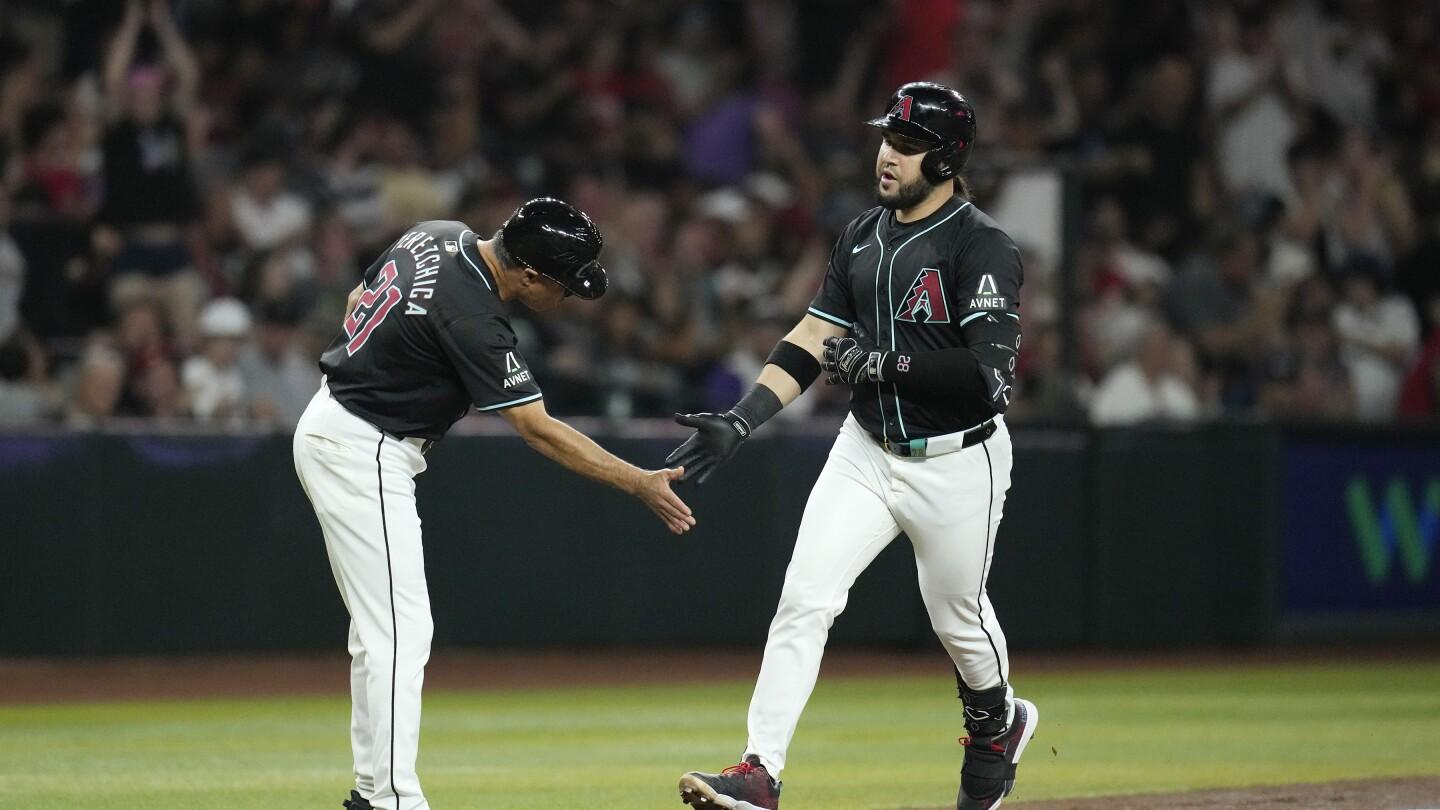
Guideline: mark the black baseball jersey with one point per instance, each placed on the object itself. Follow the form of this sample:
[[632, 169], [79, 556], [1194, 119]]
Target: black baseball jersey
[[913, 287], [429, 338]]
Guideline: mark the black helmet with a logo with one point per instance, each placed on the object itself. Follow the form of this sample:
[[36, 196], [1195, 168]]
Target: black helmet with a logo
[[558, 241], [938, 116]]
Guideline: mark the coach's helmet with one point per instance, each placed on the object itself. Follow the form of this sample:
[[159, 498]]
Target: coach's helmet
[[558, 241], [938, 116]]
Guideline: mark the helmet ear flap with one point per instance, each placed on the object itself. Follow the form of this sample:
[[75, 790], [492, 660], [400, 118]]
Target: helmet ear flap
[[938, 164]]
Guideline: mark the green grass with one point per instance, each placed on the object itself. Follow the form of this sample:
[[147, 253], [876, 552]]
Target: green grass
[[872, 743]]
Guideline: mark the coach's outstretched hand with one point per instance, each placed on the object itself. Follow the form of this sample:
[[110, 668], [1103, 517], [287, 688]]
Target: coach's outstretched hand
[[653, 488], [716, 437]]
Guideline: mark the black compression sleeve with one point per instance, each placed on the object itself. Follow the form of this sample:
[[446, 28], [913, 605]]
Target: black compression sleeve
[[795, 361], [758, 404], [941, 374]]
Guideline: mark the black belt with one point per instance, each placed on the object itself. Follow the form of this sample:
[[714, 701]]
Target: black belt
[[937, 445]]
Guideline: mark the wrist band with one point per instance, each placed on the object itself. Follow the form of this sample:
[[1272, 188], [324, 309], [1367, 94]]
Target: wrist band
[[758, 404]]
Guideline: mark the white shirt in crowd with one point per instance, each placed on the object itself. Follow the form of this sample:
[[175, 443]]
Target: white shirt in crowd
[[1127, 397], [214, 392], [1376, 378], [268, 224], [1254, 142]]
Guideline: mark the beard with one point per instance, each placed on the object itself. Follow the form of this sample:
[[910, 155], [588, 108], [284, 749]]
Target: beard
[[906, 196]]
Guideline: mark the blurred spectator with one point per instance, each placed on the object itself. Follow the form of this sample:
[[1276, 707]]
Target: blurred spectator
[[1248, 94], [26, 396], [1126, 282], [1217, 305], [1379, 334], [12, 273], [410, 191], [140, 330], [278, 379], [212, 378], [396, 64], [1302, 377], [99, 382], [269, 150], [1045, 388], [1349, 203], [267, 215], [1420, 394], [1336, 61], [154, 390], [145, 225], [56, 181], [1165, 174], [1146, 389]]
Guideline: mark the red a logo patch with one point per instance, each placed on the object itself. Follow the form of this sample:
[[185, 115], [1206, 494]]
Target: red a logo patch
[[925, 303], [901, 109]]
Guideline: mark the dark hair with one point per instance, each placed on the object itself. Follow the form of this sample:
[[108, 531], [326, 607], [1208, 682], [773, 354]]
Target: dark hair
[[962, 188], [502, 253]]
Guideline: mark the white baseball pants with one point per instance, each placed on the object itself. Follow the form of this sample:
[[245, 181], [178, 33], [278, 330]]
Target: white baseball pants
[[361, 483], [949, 506]]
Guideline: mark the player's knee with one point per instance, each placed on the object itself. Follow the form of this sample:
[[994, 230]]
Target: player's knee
[[808, 609], [424, 632]]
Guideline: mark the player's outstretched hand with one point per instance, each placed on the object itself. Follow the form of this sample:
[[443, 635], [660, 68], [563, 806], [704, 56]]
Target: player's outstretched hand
[[654, 489], [716, 437]]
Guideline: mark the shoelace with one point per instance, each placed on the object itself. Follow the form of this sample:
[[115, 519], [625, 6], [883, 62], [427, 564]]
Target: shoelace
[[743, 769], [994, 746]]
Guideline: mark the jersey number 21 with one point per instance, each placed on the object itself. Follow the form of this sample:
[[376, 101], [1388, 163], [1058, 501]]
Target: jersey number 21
[[374, 304]]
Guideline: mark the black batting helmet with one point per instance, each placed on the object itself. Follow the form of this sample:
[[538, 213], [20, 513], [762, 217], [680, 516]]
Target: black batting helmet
[[558, 241], [936, 115]]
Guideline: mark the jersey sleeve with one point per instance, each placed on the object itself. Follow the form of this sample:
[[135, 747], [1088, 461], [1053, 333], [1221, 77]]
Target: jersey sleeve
[[988, 275], [834, 302], [482, 350]]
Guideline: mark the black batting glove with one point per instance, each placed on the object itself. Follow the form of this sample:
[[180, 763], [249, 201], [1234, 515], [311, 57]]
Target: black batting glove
[[849, 361], [716, 438]]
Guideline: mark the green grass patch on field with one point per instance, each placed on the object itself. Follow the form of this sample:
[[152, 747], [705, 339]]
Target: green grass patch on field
[[868, 743]]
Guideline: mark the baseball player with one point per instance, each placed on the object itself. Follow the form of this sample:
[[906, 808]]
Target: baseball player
[[427, 337], [918, 314]]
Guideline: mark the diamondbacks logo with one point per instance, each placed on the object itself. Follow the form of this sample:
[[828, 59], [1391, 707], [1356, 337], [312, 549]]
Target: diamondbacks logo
[[987, 295], [901, 109], [925, 303]]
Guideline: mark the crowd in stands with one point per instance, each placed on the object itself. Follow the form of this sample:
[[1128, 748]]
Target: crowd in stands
[[1227, 209]]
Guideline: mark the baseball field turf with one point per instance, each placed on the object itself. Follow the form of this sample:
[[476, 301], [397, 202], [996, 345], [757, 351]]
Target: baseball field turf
[[864, 742]]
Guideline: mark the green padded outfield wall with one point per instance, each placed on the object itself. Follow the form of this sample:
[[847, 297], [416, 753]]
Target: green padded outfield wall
[[140, 544]]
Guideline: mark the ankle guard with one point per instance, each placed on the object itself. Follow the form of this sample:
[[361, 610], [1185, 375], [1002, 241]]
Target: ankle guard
[[985, 710]]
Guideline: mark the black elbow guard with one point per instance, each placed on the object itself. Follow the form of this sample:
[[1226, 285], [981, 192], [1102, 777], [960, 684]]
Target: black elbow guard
[[995, 341]]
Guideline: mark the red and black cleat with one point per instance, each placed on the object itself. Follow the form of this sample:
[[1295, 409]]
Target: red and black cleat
[[988, 774], [747, 786]]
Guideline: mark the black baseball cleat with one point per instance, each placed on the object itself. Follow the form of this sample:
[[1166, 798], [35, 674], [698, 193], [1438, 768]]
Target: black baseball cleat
[[747, 786], [988, 774], [356, 802]]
